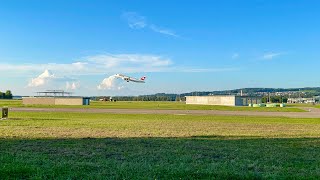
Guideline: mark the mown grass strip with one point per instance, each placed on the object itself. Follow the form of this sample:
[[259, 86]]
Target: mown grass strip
[[153, 105]]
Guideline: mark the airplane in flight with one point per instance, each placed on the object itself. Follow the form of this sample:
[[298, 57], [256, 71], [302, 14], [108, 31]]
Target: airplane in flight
[[127, 78]]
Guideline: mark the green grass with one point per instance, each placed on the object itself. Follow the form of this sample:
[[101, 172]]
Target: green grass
[[118, 146], [75, 125], [305, 105], [11, 103], [153, 105], [301, 105]]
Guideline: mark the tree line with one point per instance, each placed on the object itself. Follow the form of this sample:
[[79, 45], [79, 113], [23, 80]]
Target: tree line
[[294, 92], [6, 95], [174, 97], [156, 97], [274, 99]]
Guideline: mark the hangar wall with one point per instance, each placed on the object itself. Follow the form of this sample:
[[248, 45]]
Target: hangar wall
[[211, 100], [55, 100], [223, 100], [68, 101], [33, 100]]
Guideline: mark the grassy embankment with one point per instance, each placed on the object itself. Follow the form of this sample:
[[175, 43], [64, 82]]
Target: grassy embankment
[[99, 146], [153, 105]]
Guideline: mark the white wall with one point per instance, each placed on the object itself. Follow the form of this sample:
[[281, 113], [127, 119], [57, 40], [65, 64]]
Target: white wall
[[211, 100]]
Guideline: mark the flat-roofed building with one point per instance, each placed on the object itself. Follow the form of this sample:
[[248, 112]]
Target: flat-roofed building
[[302, 100], [55, 97], [223, 100], [56, 100]]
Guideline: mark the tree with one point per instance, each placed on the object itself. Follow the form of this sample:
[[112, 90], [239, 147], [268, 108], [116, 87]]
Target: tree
[[8, 94], [284, 100], [264, 100]]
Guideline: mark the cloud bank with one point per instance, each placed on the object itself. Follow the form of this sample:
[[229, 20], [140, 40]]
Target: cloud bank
[[96, 64], [102, 64], [48, 80], [65, 76]]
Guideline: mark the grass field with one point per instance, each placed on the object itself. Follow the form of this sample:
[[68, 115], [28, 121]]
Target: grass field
[[153, 105], [303, 105], [100, 146]]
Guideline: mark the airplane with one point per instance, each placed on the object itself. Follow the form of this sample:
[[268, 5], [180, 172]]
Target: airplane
[[127, 78]]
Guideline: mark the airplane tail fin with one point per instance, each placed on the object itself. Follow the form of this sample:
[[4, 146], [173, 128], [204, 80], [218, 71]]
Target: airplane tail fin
[[143, 78]]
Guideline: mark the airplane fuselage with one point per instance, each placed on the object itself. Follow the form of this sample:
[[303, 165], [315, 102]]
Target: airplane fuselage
[[128, 79]]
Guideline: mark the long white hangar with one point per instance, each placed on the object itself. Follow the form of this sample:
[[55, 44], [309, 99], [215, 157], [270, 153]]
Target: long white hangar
[[223, 100]]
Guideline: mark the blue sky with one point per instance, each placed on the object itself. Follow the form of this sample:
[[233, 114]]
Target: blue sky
[[181, 46]]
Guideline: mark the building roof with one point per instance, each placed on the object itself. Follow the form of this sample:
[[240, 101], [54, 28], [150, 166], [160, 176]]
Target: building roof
[[53, 93]]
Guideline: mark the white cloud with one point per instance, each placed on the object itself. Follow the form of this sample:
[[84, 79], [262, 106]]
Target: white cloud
[[79, 65], [70, 68], [48, 80], [72, 85], [42, 79], [136, 21], [235, 56], [269, 56], [163, 31], [110, 83], [129, 60]]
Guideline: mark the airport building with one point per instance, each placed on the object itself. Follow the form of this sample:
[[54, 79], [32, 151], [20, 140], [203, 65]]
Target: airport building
[[223, 100], [303, 100], [55, 97]]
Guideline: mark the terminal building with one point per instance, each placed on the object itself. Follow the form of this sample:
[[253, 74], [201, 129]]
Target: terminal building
[[55, 97], [304, 100], [223, 100]]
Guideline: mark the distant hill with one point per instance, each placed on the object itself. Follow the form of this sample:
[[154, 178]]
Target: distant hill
[[284, 92], [315, 91]]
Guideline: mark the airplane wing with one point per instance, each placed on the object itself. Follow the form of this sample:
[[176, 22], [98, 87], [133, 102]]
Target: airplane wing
[[126, 78]]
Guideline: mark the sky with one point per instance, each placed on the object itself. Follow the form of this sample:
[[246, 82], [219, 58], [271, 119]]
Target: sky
[[180, 46]]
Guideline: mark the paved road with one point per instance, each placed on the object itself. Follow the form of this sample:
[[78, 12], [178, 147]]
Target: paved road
[[312, 112]]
